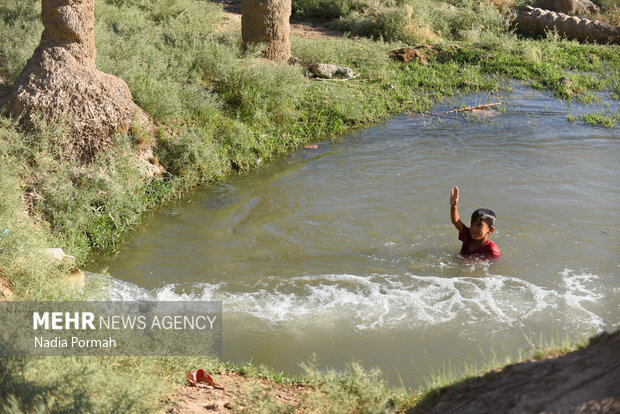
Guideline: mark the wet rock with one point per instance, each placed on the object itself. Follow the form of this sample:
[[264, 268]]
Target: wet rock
[[326, 71], [60, 256]]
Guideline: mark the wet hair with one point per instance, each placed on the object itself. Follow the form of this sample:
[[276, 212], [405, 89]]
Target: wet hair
[[488, 216]]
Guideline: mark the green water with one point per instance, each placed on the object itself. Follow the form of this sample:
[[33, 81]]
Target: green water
[[347, 250]]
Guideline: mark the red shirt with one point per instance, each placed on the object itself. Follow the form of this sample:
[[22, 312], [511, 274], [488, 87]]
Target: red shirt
[[489, 250]]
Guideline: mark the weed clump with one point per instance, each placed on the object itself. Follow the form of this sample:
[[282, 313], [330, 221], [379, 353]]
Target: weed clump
[[354, 390], [607, 120], [409, 21]]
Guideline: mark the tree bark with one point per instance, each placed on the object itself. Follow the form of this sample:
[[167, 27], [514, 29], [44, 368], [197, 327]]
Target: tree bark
[[70, 25], [267, 22]]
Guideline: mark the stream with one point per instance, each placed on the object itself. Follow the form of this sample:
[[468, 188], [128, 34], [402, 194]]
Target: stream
[[347, 250]]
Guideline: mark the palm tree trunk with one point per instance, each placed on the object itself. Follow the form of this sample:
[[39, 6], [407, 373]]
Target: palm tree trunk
[[267, 21]]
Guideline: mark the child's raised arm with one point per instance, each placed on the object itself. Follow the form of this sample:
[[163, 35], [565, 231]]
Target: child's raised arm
[[454, 212]]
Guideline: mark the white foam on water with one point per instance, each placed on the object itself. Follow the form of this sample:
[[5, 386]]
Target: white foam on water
[[582, 288], [119, 290], [367, 303]]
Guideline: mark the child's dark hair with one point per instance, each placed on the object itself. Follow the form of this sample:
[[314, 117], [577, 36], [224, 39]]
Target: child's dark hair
[[488, 216]]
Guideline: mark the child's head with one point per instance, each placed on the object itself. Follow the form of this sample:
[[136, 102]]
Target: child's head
[[482, 223], [488, 216]]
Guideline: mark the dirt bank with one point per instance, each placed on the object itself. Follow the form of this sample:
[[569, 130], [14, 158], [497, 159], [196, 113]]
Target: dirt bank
[[584, 381], [237, 393]]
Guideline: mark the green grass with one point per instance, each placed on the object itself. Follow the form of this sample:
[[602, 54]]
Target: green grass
[[93, 384], [606, 119], [411, 21], [354, 389], [403, 19], [597, 118], [221, 110]]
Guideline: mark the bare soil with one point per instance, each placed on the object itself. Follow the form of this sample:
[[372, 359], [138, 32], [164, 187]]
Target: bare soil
[[236, 394]]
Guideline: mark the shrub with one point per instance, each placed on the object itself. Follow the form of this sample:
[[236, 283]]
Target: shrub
[[325, 9], [20, 31], [422, 21]]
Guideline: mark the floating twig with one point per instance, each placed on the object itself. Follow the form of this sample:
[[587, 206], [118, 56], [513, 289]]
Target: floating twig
[[471, 108]]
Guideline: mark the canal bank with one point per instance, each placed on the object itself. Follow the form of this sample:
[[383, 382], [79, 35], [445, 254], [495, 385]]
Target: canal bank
[[234, 116]]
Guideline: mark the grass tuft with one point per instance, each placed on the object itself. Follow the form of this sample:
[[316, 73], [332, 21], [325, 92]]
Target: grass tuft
[[598, 118]]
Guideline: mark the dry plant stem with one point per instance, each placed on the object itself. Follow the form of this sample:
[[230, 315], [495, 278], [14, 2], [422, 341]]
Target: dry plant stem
[[469, 108], [338, 80]]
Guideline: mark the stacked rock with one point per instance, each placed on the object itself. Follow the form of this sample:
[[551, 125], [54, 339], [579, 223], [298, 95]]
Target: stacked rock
[[535, 20]]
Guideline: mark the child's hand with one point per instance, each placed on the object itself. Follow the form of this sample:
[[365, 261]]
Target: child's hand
[[454, 196]]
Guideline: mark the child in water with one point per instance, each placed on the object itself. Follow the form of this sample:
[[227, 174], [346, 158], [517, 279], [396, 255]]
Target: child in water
[[476, 237]]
